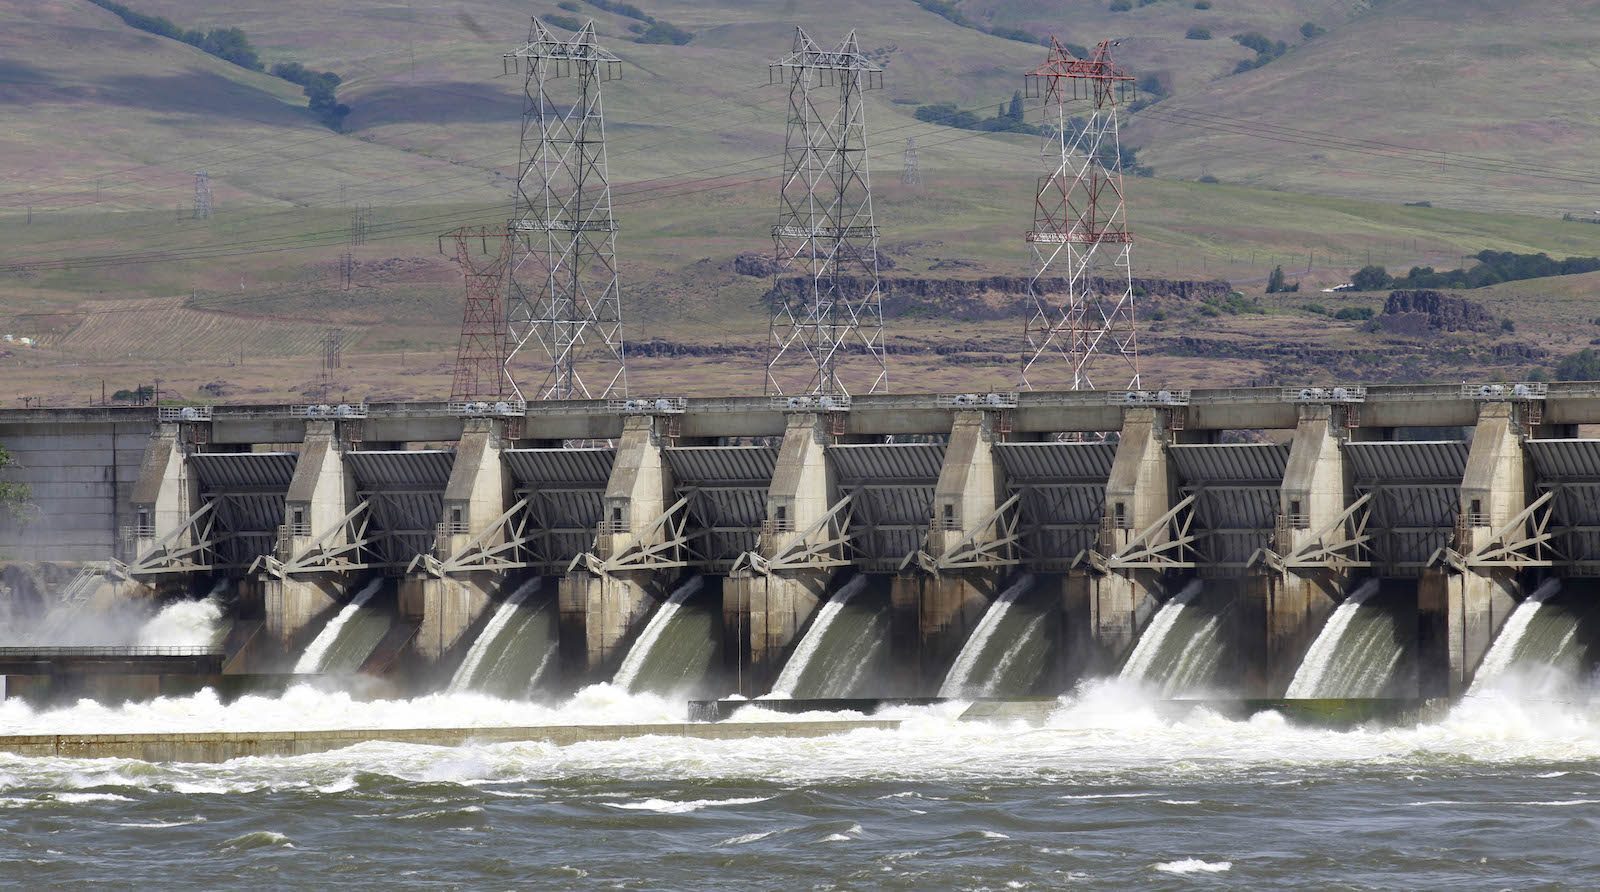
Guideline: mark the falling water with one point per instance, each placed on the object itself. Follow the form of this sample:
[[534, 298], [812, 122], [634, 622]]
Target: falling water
[[1180, 652], [1355, 655], [513, 651], [186, 623], [1508, 643], [848, 635], [963, 679], [319, 656], [675, 647]]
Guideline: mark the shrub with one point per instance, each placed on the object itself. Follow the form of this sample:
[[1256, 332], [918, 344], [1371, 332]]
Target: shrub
[[1312, 30], [569, 22], [1208, 179], [1120, 5], [1198, 33], [1581, 366], [1354, 314], [1371, 278], [1202, 4]]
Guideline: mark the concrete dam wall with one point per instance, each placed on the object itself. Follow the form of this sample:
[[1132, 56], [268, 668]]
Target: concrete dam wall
[[941, 541]]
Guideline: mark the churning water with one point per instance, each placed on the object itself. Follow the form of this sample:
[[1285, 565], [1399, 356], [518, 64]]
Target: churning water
[[845, 651], [1108, 793]]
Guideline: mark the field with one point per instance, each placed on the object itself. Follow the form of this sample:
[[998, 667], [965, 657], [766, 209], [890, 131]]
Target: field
[[103, 265]]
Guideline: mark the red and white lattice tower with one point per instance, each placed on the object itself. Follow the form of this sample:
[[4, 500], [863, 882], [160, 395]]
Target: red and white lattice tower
[[1080, 230], [482, 254]]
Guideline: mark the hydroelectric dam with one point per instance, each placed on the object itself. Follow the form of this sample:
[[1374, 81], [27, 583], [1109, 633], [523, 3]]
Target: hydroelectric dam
[[1315, 542]]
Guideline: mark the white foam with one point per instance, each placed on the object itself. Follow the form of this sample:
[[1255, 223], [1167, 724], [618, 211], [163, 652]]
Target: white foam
[[672, 807], [1194, 865], [184, 624], [1504, 650]]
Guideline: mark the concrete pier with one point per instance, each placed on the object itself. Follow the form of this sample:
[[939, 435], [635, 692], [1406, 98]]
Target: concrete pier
[[773, 595]]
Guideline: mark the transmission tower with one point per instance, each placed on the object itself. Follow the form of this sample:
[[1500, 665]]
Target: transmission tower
[[827, 333], [565, 309], [482, 253], [1080, 227], [911, 174], [202, 195]]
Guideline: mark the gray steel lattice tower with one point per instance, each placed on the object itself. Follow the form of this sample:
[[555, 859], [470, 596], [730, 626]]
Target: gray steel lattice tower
[[202, 195], [826, 335], [564, 307], [911, 173], [1080, 228]]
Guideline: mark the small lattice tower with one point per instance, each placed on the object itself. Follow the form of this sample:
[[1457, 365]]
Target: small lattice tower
[[563, 302], [911, 172], [202, 195], [482, 254], [826, 334], [1080, 230]]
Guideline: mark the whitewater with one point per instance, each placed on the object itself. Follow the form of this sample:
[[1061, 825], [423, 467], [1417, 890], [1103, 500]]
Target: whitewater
[[937, 802]]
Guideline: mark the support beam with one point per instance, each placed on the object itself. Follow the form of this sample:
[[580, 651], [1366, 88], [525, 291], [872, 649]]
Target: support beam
[[165, 499], [474, 538], [1115, 603], [603, 607], [972, 544], [318, 511], [1320, 539], [773, 594], [1465, 597]]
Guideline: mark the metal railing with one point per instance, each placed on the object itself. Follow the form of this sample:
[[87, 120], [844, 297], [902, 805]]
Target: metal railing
[[451, 528], [135, 531], [1148, 397], [183, 413], [500, 408], [294, 531], [1339, 394], [1496, 392], [976, 400], [661, 405], [326, 410], [46, 653], [827, 402]]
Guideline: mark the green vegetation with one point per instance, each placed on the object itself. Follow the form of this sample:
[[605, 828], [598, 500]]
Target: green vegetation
[[649, 30], [947, 10], [1198, 33], [227, 44], [1234, 304], [1354, 314], [1008, 118], [1265, 48], [1276, 283], [13, 496], [1312, 30], [232, 45], [321, 89], [1120, 5], [569, 22], [1493, 268], [1581, 366], [1202, 4]]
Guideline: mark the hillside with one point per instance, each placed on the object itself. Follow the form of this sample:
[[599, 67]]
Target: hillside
[[112, 276]]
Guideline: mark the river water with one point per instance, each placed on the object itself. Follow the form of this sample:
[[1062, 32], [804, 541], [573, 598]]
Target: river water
[[1106, 794]]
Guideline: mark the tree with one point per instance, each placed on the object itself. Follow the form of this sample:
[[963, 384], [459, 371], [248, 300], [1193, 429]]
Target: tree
[[13, 496], [1581, 366], [1015, 112], [1275, 281], [1371, 278]]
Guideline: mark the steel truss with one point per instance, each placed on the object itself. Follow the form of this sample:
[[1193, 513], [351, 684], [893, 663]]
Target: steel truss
[[1080, 228], [565, 304], [802, 550], [825, 228]]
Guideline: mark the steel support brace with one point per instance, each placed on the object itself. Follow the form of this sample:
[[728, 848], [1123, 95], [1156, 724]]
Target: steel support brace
[[972, 551], [486, 550], [803, 554], [165, 556], [1144, 552], [320, 557]]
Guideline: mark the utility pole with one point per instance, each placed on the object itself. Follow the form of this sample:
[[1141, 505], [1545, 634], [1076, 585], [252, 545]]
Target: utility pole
[[1080, 229], [826, 334], [564, 300]]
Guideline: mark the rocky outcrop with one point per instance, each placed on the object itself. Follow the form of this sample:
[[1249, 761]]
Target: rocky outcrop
[[991, 298], [1418, 313]]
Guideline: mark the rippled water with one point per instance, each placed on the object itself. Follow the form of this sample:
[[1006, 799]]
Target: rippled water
[[1107, 794]]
